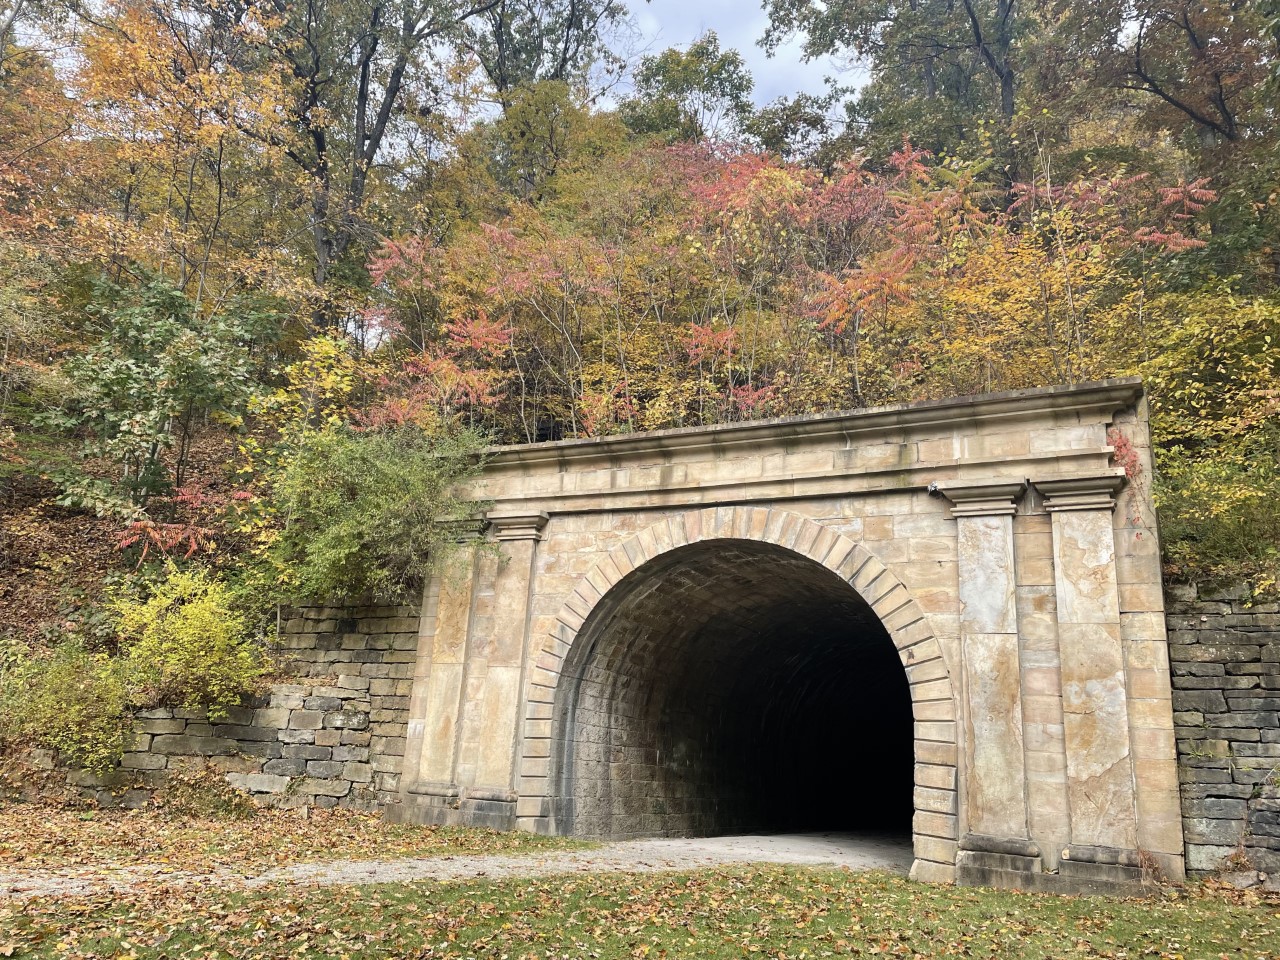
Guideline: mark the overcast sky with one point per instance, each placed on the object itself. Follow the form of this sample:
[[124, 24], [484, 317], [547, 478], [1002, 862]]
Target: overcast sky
[[739, 24]]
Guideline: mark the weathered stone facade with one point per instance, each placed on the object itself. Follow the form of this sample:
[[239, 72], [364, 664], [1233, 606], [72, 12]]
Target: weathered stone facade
[[1225, 653], [334, 737], [711, 629]]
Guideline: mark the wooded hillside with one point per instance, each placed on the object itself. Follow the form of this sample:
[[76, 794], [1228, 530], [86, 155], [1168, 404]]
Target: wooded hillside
[[271, 271]]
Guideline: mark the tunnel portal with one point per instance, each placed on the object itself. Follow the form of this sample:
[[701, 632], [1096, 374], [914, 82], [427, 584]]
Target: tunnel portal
[[733, 686], [740, 627]]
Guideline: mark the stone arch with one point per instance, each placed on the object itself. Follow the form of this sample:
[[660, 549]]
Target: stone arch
[[932, 694]]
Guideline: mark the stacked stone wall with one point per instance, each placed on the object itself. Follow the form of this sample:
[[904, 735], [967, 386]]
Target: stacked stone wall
[[333, 735], [374, 644], [1224, 652]]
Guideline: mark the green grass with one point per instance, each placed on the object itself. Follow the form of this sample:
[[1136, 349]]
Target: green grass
[[773, 912]]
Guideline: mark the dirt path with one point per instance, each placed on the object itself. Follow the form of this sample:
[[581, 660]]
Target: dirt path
[[634, 856]]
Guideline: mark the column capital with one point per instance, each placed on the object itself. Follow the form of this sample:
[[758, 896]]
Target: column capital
[[1093, 491], [981, 498], [516, 526]]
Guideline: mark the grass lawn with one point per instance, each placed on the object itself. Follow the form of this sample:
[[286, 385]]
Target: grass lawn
[[770, 912], [33, 836]]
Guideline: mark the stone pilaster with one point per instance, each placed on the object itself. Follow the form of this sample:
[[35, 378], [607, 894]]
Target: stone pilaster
[[432, 748], [1100, 783], [995, 782], [498, 654]]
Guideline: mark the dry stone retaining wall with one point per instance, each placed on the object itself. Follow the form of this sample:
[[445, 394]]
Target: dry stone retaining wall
[[1225, 657], [333, 737]]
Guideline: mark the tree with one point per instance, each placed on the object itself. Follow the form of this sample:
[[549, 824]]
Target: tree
[[10, 12], [332, 87], [1205, 63], [138, 393], [524, 42], [696, 94], [794, 129], [935, 43], [179, 184], [351, 72], [545, 129]]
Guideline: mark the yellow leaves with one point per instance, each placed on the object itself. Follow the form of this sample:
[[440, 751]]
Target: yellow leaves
[[169, 131], [318, 390], [1217, 373], [1012, 309]]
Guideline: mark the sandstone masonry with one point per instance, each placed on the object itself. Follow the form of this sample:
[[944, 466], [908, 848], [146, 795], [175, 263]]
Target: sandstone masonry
[[605, 669], [625, 662]]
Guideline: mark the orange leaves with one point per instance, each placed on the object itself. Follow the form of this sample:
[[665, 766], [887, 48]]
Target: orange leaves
[[705, 344], [690, 285], [178, 151], [165, 538]]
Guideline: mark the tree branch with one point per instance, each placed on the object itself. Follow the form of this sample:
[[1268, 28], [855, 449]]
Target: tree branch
[[1151, 85]]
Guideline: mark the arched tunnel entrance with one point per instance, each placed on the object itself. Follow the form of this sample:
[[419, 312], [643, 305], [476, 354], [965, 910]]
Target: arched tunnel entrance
[[732, 686]]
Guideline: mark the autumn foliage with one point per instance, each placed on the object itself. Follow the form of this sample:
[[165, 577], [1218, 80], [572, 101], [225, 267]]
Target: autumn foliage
[[240, 242]]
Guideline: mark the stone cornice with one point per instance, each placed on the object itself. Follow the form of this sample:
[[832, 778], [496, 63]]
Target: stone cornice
[[981, 498], [516, 526], [852, 427], [800, 486], [1095, 491]]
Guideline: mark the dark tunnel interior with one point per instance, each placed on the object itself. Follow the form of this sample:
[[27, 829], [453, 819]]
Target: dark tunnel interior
[[732, 687]]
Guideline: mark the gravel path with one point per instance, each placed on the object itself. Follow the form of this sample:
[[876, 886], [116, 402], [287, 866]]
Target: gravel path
[[633, 856]]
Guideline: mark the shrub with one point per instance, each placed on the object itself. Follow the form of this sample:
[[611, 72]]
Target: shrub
[[157, 370], [1218, 516], [71, 701], [186, 644], [368, 512]]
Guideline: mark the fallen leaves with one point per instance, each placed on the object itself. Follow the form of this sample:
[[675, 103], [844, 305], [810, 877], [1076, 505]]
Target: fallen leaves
[[768, 912], [40, 836], [774, 912]]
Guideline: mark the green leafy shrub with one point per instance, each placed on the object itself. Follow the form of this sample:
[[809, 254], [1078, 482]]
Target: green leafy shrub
[[1215, 390], [135, 396], [186, 643], [72, 701], [367, 512], [1218, 514]]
